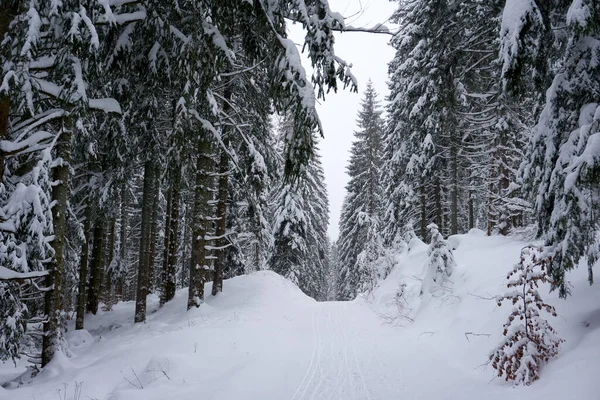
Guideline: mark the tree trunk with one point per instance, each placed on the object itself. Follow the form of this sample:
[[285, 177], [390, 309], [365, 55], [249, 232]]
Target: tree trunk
[[186, 251], [142, 280], [60, 195], [490, 216], [220, 231], [163, 295], [96, 267], [471, 211], [423, 213], [221, 228], [8, 9], [83, 268], [172, 233], [153, 232], [503, 184], [202, 195], [454, 200], [109, 288], [123, 242], [438, 205]]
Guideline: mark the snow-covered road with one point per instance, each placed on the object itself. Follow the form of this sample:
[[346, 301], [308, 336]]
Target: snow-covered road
[[264, 339]]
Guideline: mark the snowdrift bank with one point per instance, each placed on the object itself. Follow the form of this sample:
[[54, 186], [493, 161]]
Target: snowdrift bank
[[234, 337], [462, 326]]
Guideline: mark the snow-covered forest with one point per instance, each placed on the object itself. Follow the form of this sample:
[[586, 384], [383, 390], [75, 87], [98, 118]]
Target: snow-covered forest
[[164, 213]]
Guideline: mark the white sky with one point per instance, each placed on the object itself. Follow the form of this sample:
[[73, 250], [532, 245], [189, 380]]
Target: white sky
[[369, 55]]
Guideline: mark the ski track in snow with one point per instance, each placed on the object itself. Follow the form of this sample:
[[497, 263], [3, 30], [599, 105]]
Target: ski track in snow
[[354, 329], [334, 369]]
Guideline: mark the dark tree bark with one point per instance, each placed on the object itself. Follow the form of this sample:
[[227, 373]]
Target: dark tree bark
[[172, 244], [96, 268], [202, 196], [454, 200], [423, 212], [60, 195], [83, 269], [220, 231], [123, 241], [153, 232], [438, 205], [490, 214], [163, 296], [108, 288], [8, 9], [471, 211], [142, 280]]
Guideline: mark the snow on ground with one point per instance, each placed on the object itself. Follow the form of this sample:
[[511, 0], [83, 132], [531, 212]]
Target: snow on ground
[[263, 339]]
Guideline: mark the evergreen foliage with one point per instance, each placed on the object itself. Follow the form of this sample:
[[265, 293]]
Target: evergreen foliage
[[359, 243], [529, 341], [440, 264]]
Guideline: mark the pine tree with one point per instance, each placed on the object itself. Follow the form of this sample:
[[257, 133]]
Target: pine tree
[[359, 221], [560, 172], [300, 220], [529, 341], [440, 264]]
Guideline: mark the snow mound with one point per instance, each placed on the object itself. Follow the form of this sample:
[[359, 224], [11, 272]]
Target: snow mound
[[461, 326], [79, 340]]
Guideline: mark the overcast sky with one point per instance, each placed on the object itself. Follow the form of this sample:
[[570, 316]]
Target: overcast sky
[[369, 55]]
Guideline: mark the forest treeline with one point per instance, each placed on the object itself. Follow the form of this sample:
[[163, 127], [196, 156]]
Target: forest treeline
[[139, 153], [492, 122]]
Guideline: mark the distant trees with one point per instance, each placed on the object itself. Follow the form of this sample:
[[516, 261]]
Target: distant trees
[[359, 242], [300, 220]]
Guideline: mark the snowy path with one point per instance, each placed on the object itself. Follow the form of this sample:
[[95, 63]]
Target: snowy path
[[243, 347], [334, 370]]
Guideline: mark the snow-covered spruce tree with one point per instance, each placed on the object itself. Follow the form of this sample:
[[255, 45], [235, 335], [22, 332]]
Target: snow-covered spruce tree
[[364, 275], [452, 142], [493, 126], [561, 169], [332, 274], [440, 264], [47, 55], [529, 341], [359, 220], [300, 220], [251, 181], [421, 115], [314, 279], [24, 248]]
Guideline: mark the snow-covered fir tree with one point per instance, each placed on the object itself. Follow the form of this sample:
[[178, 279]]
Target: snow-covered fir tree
[[300, 220], [440, 264], [529, 341], [361, 210], [560, 171]]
